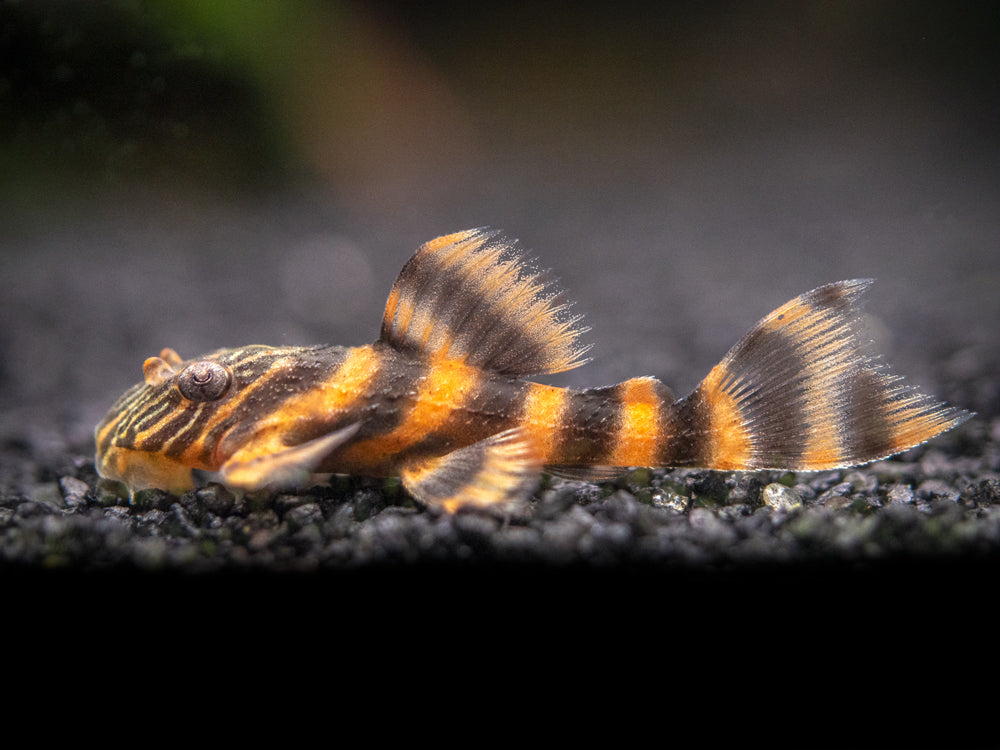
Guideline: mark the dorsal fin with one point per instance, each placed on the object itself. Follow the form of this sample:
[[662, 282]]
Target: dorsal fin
[[470, 296]]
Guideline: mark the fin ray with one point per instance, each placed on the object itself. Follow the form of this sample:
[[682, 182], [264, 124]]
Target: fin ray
[[799, 392], [285, 468], [470, 296], [495, 472]]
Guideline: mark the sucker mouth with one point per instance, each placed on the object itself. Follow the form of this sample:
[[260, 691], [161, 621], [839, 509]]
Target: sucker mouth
[[139, 470]]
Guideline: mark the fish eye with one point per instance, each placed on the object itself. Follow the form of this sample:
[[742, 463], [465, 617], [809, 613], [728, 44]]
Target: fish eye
[[204, 381]]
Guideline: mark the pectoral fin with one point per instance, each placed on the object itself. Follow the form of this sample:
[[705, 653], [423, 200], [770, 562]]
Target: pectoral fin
[[252, 469], [494, 472]]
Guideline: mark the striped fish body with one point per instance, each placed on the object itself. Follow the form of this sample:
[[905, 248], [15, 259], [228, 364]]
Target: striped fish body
[[442, 399], [406, 408]]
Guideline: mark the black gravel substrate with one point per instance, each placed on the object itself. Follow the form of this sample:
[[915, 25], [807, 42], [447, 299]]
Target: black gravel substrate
[[940, 501]]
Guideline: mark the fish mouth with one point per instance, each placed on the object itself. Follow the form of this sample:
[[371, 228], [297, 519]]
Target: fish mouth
[[141, 470]]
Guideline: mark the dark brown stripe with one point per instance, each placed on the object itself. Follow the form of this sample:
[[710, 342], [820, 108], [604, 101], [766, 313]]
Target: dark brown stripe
[[771, 372], [139, 407], [460, 301], [388, 400], [177, 420], [130, 399], [867, 430], [829, 296], [765, 375], [116, 416], [687, 432], [492, 408], [416, 276], [514, 329], [189, 434], [457, 304], [592, 421], [268, 392], [158, 395]]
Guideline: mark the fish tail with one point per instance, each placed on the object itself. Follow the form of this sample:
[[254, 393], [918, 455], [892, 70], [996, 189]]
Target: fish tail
[[798, 392]]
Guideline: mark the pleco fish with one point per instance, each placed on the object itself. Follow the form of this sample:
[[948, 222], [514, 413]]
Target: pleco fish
[[440, 399]]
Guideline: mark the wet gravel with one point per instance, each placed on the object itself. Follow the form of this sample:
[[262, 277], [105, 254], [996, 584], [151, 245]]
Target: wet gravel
[[938, 501]]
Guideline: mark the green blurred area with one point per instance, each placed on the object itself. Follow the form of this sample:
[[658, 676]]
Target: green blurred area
[[223, 95], [111, 92], [378, 101]]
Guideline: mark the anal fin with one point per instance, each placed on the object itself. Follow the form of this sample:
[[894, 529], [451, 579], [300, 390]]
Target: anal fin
[[493, 473]]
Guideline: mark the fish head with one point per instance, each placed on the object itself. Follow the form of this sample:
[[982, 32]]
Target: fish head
[[179, 417]]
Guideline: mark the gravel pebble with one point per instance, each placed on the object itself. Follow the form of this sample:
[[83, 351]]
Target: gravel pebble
[[779, 497]]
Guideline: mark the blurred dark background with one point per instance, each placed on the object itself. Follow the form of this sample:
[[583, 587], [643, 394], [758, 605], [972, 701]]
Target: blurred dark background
[[197, 175]]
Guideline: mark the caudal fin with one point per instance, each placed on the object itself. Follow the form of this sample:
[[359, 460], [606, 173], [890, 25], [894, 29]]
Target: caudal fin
[[798, 392]]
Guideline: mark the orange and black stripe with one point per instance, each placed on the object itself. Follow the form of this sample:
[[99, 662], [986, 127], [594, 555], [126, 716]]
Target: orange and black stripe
[[440, 399], [470, 297], [798, 393]]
